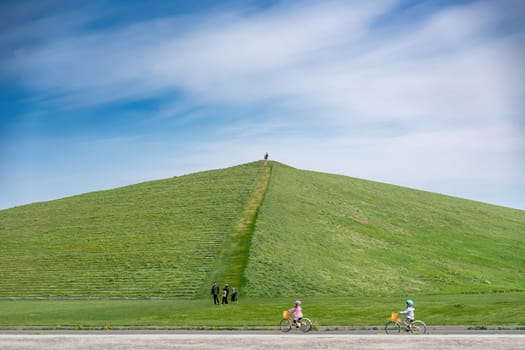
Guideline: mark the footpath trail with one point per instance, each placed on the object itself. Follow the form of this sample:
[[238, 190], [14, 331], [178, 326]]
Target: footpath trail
[[225, 341], [233, 258]]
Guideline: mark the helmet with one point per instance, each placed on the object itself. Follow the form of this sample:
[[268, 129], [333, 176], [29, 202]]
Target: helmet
[[298, 302], [410, 302]]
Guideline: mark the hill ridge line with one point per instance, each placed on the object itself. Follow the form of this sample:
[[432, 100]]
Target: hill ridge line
[[233, 258]]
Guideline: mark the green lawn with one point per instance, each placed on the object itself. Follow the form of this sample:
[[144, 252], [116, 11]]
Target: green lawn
[[468, 310]]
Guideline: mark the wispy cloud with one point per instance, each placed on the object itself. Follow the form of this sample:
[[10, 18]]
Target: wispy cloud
[[223, 55], [329, 54]]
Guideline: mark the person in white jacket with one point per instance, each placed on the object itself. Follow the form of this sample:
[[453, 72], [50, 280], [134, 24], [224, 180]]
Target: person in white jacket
[[409, 313]]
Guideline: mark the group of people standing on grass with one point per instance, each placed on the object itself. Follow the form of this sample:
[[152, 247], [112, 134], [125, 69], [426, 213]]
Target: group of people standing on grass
[[215, 290]]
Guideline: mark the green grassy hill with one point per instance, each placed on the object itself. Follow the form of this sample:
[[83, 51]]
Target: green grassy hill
[[265, 228]]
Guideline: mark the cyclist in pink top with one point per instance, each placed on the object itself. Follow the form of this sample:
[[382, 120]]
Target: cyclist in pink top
[[297, 313]]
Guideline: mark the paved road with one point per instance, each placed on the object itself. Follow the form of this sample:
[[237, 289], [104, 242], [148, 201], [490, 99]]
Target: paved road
[[233, 341]]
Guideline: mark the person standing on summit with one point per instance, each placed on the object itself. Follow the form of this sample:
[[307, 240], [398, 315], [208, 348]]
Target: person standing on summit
[[266, 156]]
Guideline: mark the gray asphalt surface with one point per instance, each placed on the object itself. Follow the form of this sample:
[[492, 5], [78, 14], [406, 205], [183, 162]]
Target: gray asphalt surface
[[261, 340]]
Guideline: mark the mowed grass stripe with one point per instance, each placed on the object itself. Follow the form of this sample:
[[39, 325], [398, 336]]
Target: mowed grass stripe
[[232, 260]]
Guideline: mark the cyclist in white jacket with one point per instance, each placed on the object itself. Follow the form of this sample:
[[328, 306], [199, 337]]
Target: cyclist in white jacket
[[409, 313]]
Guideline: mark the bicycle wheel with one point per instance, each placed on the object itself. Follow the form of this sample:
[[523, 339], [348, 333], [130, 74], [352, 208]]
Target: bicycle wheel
[[306, 325], [392, 327], [418, 327], [285, 325]]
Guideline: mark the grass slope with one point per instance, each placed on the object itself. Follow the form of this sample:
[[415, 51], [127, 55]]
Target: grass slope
[[155, 239], [323, 234]]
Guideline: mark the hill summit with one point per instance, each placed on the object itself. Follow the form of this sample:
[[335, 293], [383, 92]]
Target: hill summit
[[267, 229]]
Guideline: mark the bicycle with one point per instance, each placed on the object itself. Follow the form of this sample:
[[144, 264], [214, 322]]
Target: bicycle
[[395, 325], [287, 323]]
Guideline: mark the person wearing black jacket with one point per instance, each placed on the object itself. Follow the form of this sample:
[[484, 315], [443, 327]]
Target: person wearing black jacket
[[215, 291], [225, 293]]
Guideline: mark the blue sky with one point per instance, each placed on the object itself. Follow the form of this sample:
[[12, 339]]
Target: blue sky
[[101, 94]]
